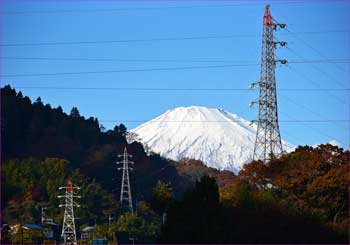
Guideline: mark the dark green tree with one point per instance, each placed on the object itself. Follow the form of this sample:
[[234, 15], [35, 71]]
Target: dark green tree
[[162, 196], [74, 112]]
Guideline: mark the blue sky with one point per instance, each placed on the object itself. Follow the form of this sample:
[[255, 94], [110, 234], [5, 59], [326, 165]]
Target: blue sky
[[229, 34]]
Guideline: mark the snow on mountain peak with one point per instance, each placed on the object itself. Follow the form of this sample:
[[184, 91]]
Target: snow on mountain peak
[[331, 142], [335, 143], [220, 139]]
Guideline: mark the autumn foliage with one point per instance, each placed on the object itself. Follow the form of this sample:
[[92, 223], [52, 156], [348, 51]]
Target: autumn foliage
[[312, 182], [195, 169]]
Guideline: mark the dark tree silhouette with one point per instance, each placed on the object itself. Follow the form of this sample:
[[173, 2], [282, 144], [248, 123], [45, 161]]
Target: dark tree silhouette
[[74, 112]]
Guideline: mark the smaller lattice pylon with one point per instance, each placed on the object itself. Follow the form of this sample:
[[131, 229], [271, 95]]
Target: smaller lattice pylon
[[125, 190], [68, 228]]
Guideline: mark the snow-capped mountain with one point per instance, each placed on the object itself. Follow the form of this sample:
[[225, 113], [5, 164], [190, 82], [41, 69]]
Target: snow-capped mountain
[[331, 142], [220, 139]]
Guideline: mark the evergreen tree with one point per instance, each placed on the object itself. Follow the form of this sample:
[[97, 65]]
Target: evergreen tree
[[75, 112]]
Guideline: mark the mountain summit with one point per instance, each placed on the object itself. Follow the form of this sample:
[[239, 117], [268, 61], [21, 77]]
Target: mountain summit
[[220, 139]]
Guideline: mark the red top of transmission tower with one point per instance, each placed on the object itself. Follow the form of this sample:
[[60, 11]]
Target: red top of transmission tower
[[267, 16], [69, 187]]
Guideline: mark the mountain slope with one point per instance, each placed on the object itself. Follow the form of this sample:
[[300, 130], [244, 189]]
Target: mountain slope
[[220, 139]]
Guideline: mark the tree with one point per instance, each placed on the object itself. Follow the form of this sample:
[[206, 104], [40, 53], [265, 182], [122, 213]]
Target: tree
[[206, 192], [256, 174], [227, 195], [38, 101], [309, 181], [144, 223], [105, 231], [162, 196], [59, 109], [122, 129], [129, 223], [195, 219], [74, 112], [150, 220], [244, 196], [24, 235]]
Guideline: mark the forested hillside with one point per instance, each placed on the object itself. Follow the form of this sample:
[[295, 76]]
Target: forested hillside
[[301, 197], [43, 147]]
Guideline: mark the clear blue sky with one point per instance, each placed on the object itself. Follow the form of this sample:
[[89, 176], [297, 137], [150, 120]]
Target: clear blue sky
[[318, 31]]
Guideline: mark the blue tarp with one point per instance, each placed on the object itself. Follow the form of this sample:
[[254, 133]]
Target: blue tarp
[[33, 226], [50, 223]]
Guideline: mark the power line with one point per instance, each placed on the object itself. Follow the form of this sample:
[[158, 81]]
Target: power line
[[227, 121], [178, 89], [140, 60], [314, 129], [297, 36], [303, 107], [316, 84], [207, 37], [168, 60], [312, 47], [56, 11], [310, 110], [316, 32], [129, 40], [131, 70], [329, 61], [315, 67], [296, 138]]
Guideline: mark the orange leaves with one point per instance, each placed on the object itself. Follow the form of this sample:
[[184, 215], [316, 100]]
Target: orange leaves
[[256, 174], [311, 180]]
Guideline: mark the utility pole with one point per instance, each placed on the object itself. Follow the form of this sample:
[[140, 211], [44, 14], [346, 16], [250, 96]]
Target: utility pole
[[43, 215], [268, 143], [45, 220], [125, 190], [110, 220], [68, 228]]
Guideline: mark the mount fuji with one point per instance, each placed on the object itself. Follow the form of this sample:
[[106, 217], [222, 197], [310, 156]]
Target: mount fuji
[[220, 139]]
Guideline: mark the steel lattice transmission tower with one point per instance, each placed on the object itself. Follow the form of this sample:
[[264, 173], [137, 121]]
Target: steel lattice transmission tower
[[125, 190], [268, 139], [68, 229]]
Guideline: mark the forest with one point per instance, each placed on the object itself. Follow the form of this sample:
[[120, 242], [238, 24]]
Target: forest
[[301, 197]]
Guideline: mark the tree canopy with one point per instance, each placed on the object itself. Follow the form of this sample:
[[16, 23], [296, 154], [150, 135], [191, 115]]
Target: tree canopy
[[301, 197]]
